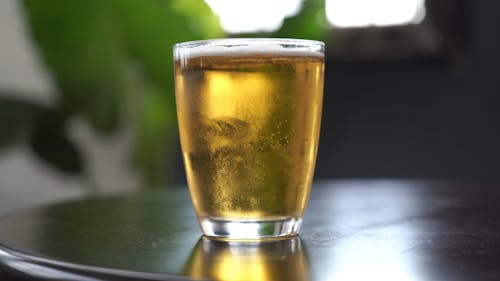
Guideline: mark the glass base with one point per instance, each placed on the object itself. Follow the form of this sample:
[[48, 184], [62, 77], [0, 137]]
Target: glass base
[[250, 229]]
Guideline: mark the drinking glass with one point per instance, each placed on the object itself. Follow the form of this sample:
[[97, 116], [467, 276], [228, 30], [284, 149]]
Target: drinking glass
[[249, 113]]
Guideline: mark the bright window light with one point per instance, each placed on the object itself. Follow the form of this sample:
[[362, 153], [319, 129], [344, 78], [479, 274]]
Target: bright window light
[[362, 13], [247, 16]]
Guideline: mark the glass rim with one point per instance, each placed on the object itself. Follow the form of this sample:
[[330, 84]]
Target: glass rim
[[234, 42]]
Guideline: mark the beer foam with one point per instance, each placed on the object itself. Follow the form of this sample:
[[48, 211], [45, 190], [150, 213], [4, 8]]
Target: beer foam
[[250, 48]]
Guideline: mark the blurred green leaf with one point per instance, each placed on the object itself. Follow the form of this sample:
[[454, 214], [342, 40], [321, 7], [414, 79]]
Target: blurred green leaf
[[310, 23], [50, 143], [41, 128], [150, 30], [113, 60], [80, 42], [16, 120]]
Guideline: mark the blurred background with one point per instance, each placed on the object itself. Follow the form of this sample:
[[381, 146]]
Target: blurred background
[[87, 101]]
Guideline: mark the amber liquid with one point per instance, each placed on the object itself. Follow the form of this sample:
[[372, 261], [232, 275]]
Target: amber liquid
[[249, 131]]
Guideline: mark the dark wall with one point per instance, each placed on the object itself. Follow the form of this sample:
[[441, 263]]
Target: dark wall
[[434, 118]]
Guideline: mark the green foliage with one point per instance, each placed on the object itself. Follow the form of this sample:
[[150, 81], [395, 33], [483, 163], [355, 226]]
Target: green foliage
[[42, 129], [49, 141], [16, 120], [112, 62], [80, 43], [310, 23]]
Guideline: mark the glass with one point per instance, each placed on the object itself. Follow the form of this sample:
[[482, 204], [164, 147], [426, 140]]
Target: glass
[[249, 113]]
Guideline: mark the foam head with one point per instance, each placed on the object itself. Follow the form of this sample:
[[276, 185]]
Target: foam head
[[249, 47]]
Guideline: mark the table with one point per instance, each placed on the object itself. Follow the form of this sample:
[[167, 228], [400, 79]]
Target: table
[[352, 230]]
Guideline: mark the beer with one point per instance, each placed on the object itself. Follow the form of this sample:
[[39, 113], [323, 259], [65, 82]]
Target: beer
[[249, 123]]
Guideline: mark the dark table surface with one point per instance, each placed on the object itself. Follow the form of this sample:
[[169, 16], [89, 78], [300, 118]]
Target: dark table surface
[[353, 230]]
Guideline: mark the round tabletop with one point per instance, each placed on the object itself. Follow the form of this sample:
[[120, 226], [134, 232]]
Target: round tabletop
[[352, 230]]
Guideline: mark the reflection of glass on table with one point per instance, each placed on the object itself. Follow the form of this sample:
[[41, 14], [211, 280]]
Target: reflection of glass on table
[[221, 260]]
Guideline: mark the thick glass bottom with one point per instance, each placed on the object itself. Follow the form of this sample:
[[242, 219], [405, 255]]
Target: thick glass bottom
[[250, 229]]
